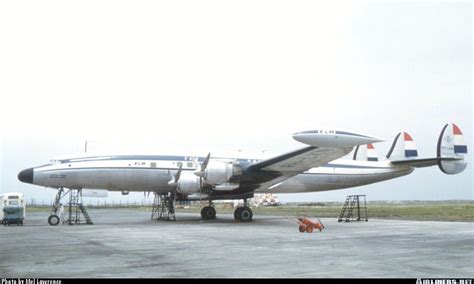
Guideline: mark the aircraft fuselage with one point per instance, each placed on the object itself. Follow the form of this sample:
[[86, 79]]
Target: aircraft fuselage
[[153, 173]]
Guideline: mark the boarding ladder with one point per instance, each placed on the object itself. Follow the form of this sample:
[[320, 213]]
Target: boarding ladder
[[354, 202], [85, 214], [164, 207]]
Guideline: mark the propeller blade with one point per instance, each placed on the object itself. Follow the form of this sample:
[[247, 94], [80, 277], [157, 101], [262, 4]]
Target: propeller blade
[[175, 178], [200, 172], [178, 174], [206, 161]]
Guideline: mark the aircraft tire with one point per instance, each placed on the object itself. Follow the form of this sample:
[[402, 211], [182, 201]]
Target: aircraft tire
[[243, 214], [237, 213], [53, 220], [208, 213]]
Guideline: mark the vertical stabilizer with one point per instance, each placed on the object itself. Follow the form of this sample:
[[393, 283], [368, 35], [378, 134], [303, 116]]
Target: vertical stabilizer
[[365, 153], [451, 145], [403, 148]]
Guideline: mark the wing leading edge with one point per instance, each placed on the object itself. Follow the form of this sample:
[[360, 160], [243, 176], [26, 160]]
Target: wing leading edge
[[300, 160]]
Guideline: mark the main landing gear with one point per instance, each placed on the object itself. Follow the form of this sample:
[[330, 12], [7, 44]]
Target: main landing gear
[[241, 214], [208, 212]]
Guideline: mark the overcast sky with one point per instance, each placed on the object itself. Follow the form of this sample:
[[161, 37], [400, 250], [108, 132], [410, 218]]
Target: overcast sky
[[179, 77]]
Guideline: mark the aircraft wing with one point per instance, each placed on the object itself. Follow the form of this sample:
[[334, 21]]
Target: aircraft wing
[[324, 146], [275, 170], [301, 160]]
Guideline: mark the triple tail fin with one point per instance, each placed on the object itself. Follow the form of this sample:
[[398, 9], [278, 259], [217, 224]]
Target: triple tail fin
[[451, 151]]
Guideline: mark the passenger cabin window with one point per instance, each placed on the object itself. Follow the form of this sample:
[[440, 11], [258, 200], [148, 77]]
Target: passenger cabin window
[[153, 165], [54, 162], [180, 164], [189, 164]]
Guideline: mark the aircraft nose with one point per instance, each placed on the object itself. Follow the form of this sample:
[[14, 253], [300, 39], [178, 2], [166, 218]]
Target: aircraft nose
[[26, 175]]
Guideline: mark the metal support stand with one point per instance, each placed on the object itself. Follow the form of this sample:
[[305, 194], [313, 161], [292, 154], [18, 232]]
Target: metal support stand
[[75, 208], [353, 201], [164, 207]]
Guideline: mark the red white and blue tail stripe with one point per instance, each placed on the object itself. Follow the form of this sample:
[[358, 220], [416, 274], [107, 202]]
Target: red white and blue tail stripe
[[365, 153], [403, 147], [410, 146], [451, 150], [458, 141]]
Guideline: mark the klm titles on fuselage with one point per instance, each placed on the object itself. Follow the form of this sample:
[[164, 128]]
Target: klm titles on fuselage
[[328, 132]]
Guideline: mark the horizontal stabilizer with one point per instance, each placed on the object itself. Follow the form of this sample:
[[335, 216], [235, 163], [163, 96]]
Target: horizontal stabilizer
[[422, 163]]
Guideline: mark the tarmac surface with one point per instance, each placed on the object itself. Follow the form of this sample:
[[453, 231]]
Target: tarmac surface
[[126, 243]]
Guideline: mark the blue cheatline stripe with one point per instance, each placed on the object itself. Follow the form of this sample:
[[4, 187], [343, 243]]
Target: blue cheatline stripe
[[460, 149], [372, 159], [411, 153], [127, 157], [112, 168], [139, 158]]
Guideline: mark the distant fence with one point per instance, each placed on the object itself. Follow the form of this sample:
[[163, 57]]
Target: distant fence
[[96, 203]]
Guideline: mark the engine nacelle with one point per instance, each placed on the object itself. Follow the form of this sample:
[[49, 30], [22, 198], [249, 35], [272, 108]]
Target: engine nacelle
[[218, 172], [188, 183]]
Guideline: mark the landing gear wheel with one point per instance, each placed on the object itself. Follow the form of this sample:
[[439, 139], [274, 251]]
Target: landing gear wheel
[[53, 220], [302, 229], [243, 214], [208, 213], [309, 229], [237, 213]]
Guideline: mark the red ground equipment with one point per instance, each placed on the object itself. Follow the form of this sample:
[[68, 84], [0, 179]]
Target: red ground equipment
[[308, 225]]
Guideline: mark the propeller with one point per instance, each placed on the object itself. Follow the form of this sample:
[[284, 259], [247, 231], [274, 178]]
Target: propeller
[[200, 172]]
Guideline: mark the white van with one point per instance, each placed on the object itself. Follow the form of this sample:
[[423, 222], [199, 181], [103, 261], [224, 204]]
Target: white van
[[12, 200]]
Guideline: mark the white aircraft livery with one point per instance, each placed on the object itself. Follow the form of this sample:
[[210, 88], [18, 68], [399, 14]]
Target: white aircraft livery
[[316, 167]]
